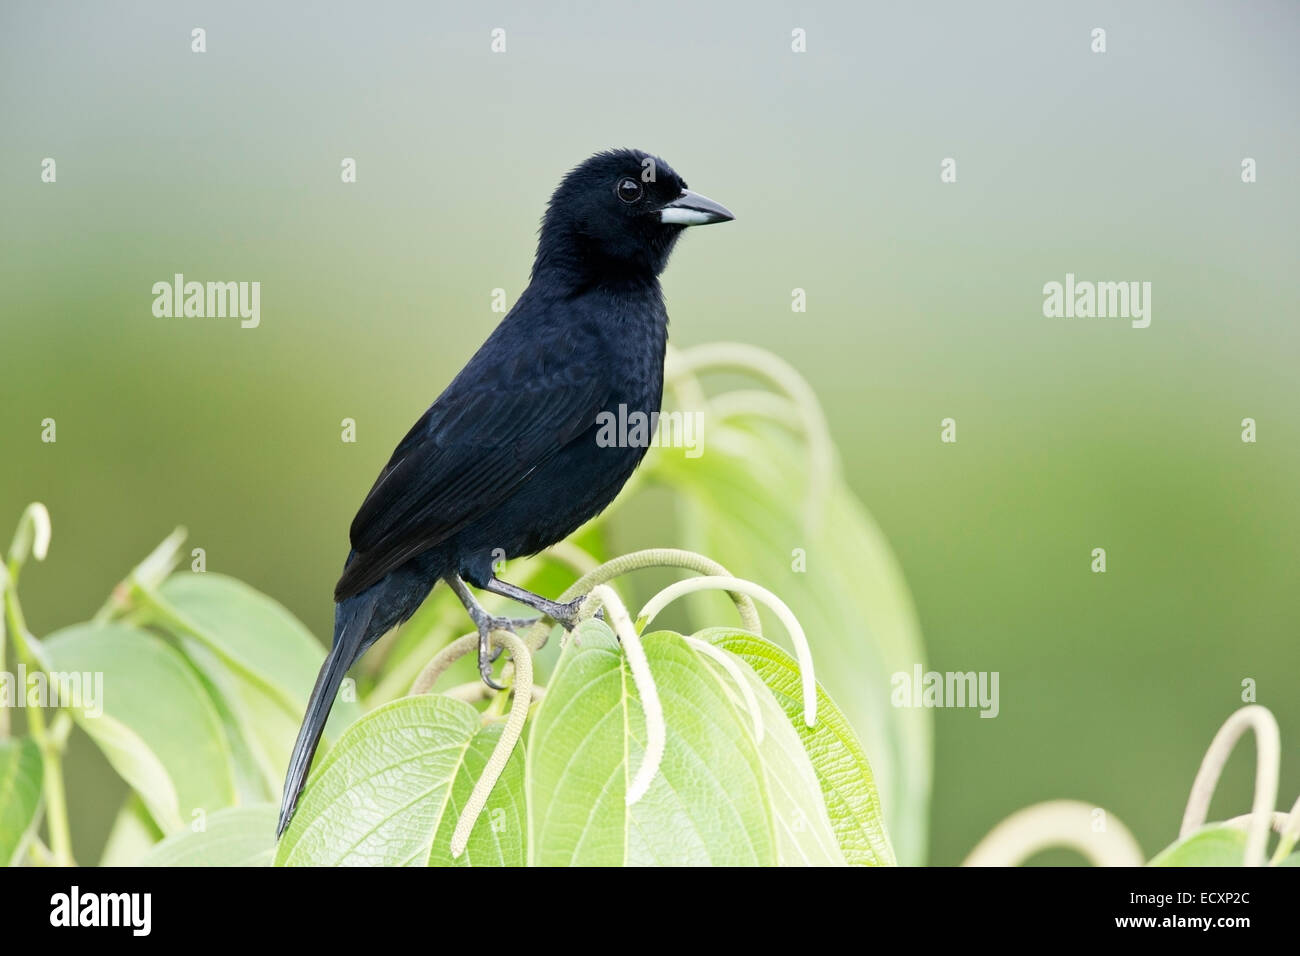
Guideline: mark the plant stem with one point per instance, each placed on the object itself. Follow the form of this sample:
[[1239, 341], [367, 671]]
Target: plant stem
[[497, 707], [51, 745], [1268, 758], [40, 854], [4, 711], [56, 805]]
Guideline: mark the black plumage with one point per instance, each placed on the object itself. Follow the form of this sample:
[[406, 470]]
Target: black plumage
[[507, 461]]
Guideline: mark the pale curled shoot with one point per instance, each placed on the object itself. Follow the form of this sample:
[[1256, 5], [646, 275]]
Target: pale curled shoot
[[802, 651], [1056, 823], [510, 734], [656, 731], [640, 560], [32, 536], [1268, 758], [762, 364], [733, 669]]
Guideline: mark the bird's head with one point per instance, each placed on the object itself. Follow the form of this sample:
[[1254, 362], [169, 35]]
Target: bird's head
[[620, 213]]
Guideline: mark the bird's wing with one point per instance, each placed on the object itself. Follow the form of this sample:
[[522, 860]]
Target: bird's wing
[[464, 456]]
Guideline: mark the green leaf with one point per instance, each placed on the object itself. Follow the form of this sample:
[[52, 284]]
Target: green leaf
[[742, 503], [1213, 845], [235, 836], [249, 718], [157, 728], [133, 835], [709, 802], [21, 776], [390, 791], [801, 825], [262, 664], [842, 769], [499, 838]]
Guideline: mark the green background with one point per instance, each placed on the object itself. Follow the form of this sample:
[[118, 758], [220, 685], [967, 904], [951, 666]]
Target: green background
[[924, 302]]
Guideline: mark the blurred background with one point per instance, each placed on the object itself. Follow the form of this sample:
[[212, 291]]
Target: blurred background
[[924, 302]]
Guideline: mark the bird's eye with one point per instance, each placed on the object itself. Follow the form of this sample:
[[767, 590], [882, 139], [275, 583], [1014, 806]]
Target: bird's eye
[[629, 190]]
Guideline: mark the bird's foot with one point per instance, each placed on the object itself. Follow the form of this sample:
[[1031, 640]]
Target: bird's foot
[[569, 615], [485, 624]]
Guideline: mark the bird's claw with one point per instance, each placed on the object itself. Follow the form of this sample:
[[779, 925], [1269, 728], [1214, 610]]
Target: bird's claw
[[487, 654], [485, 670], [568, 615]]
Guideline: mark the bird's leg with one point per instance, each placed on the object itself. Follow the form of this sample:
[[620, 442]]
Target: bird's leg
[[485, 624], [566, 615]]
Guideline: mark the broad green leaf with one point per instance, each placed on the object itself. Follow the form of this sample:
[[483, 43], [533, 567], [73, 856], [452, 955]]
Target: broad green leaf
[[499, 837], [235, 836], [742, 504], [389, 792], [261, 661], [707, 805], [1213, 845], [133, 835], [842, 769], [21, 775], [157, 727], [803, 831], [252, 721]]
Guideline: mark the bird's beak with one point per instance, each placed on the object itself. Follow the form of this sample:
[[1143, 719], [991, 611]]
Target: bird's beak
[[692, 209]]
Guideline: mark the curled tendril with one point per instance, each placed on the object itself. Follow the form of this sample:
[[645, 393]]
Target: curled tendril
[[656, 731], [1067, 823], [32, 537], [1290, 831], [514, 728], [779, 607], [729, 664], [601, 596], [650, 558], [1268, 757], [751, 360], [443, 659]]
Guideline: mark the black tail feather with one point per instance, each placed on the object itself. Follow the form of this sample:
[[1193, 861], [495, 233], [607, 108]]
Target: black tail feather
[[347, 647]]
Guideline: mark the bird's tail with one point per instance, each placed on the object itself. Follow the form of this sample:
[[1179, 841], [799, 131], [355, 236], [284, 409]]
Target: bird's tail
[[351, 631]]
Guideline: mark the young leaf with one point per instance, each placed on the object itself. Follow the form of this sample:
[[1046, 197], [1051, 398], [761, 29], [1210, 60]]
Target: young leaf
[[21, 774], [389, 792], [261, 642], [1211, 845], [707, 805], [158, 727], [803, 831], [743, 504], [260, 663], [837, 758], [499, 837], [235, 836], [133, 835]]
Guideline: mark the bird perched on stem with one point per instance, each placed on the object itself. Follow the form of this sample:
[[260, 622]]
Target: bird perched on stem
[[507, 461]]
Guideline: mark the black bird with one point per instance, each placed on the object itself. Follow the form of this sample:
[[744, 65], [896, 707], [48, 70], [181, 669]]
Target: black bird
[[506, 461]]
